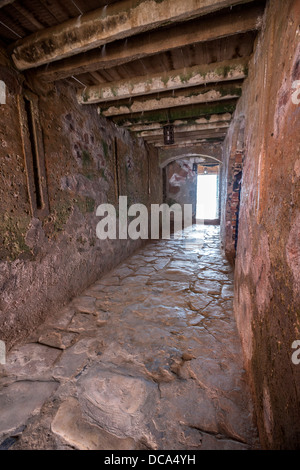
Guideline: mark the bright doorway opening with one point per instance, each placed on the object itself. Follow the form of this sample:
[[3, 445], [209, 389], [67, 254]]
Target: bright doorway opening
[[207, 197]]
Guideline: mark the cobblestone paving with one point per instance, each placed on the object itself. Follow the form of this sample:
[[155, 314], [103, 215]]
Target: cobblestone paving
[[146, 358]]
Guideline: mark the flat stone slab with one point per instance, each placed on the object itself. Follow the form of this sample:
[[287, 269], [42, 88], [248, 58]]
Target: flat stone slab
[[57, 339], [227, 292], [213, 275], [70, 364], [109, 281], [176, 275], [135, 280], [119, 404], [123, 272], [31, 360], [70, 425], [62, 319], [198, 302], [21, 400], [74, 359], [145, 270], [207, 287], [85, 304], [82, 322]]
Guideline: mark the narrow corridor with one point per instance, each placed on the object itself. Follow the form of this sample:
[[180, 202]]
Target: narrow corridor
[[147, 358]]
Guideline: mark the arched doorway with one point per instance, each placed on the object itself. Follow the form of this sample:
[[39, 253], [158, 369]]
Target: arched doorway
[[194, 179]]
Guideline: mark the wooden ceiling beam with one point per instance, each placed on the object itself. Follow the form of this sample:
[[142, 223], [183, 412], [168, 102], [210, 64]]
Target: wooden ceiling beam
[[192, 140], [173, 114], [209, 120], [3, 3], [205, 95], [235, 69], [185, 129], [156, 42], [115, 21]]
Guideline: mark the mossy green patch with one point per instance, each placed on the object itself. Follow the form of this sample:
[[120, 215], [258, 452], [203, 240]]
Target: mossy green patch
[[182, 113], [85, 204], [86, 159], [13, 230], [60, 216]]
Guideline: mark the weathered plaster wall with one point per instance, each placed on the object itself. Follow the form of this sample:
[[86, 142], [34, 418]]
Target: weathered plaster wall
[[231, 173], [46, 262], [181, 182], [267, 273], [212, 149]]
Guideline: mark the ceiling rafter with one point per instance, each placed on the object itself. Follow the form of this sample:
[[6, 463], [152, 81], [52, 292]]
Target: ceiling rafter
[[156, 42], [145, 63], [194, 76], [104, 25]]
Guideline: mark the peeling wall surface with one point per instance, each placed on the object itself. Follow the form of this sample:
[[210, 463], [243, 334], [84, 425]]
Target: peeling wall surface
[[231, 174], [181, 180], [181, 187], [89, 161], [267, 273]]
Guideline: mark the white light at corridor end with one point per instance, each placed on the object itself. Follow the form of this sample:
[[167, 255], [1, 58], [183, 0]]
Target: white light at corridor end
[[206, 197]]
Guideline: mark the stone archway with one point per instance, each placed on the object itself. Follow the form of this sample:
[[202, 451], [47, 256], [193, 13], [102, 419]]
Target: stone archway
[[199, 153], [180, 176]]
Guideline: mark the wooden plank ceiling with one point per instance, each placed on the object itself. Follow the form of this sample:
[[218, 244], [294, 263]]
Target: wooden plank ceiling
[[145, 63]]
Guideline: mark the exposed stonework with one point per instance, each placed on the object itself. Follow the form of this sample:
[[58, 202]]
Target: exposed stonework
[[181, 180], [181, 183], [231, 177], [178, 152], [46, 261]]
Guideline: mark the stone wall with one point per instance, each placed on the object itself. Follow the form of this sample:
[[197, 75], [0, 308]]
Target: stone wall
[[181, 183], [231, 175], [46, 260], [267, 273]]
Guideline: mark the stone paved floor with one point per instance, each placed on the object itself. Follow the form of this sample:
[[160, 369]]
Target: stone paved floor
[[147, 358]]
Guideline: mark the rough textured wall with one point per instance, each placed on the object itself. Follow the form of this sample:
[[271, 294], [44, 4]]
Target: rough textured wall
[[181, 187], [231, 174], [44, 262], [212, 149], [267, 274], [181, 181]]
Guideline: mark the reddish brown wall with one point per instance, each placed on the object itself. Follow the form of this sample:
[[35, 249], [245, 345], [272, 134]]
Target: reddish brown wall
[[44, 262], [231, 172], [267, 274]]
